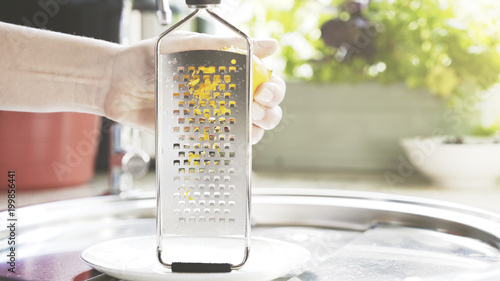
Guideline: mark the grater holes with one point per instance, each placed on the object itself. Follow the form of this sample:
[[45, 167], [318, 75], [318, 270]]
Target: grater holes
[[201, 120], [196, 128], [222, 137], [182, 154], [177, 146], [187, 179], [201, 186], [176, 78], [222, 154], [186, 145], [182, 104], [227, 129], [191, 69], [212, 104], [182, 171], [232, 154], [211, 219], [226, 212], [231, 203], [211, 186], [211, 120], [227, 78], [232, 69], [181, 69], [176, 96], [232, 104], [217, 95], [196, 211], [191, 170], [187, 211], [192, 219], [176, 195], [222, 120], [206, 178], [182, 87], [197, 145], [176, 112], [182, 137], [217, 129], [216, 211], [206, 162], [232, 138], [231, 170], [222, 203], [177, 211], [227, 95], [201, 170], [201, 203], [232, 120], [196, 194], [222, 87], [206, 211], [177, 162], [187, 95], [176, 129], [216, 162], [222, 69], [191, 104], [181, 120], [211, 203], [227, 146], [186, 78], [201, 103], [201, 219], [232, 220], [187, 111], [216, 178], [177, 179], [222, 187], [232, 187], [228, 178], [226, 194], [191, 137]]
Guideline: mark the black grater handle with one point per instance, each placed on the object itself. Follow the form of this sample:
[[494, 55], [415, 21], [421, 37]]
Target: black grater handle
[[202, 2]]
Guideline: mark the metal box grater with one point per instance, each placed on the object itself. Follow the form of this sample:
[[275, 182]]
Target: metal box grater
[[203, 156]]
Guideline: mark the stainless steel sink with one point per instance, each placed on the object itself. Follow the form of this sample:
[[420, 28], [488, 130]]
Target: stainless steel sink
[[351, 235]]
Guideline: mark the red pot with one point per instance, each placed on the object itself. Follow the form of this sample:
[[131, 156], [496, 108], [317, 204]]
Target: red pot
[[48, 150]]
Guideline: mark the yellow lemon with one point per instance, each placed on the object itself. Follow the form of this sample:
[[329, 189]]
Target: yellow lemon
[[260, 73]]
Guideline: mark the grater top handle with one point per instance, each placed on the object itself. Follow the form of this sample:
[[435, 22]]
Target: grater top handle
[[202, 3]]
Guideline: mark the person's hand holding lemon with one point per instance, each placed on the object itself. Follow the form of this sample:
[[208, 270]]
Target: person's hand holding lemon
[[130, 98]]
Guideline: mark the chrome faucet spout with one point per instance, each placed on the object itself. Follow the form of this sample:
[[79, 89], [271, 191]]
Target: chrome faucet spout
[[163, 13]]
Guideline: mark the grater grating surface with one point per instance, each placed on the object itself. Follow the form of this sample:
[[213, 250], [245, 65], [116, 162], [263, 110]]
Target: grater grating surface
[[203, 144]]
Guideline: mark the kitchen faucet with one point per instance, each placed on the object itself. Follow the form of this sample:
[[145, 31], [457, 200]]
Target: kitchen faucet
[[128, 161]]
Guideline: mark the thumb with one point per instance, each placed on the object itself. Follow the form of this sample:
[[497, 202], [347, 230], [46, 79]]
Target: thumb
[[264, 47]]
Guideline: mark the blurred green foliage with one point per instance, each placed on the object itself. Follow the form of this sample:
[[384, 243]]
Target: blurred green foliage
[[450, 47]]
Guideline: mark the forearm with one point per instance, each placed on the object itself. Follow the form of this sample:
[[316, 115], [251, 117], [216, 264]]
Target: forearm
[[44, 71]]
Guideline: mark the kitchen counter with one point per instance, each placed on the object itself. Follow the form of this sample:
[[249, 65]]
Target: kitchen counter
[[484, 198]]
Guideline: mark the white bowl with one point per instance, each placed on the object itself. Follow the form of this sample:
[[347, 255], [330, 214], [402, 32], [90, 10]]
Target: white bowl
[[471, 164]]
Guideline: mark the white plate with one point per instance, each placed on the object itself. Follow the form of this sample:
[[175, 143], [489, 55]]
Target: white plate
[[135, 259]]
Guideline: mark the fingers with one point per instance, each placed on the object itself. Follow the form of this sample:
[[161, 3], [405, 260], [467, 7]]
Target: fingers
[[183, 41], [271, 93], [264, 117], [257, 134]]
